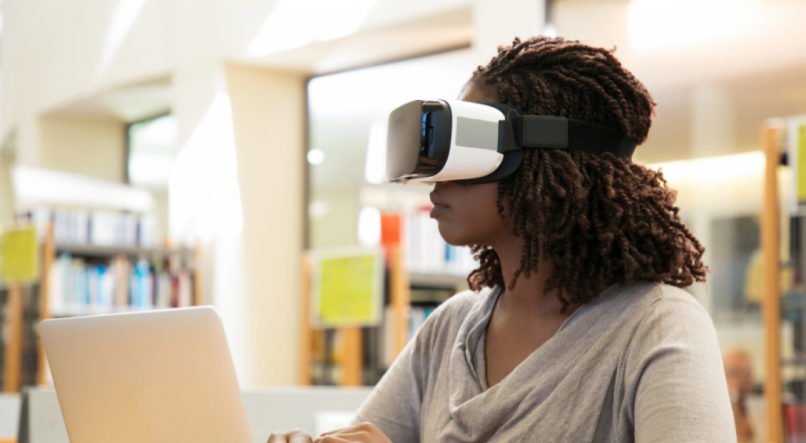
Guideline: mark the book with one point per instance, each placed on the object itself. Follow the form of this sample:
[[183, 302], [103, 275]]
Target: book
[[92, 285], [98, 227]]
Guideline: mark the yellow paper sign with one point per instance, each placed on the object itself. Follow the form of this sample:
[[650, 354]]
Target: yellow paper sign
[[19, 252], [347, 289], [801, 166]]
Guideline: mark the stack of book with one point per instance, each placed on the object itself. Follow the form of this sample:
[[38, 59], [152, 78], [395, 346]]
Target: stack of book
[[100, 228], [81, 286]]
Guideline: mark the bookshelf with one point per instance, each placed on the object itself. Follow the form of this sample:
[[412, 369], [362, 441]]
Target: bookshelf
[[422, 271], [17, 297], [12, 354], [783, 225], [110, 251], [86, 227], [412, 292], [771, 297], [350, 361], [400, 299], [41, 303], [181, 284]]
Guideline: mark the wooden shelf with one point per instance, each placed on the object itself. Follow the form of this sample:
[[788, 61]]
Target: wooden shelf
[[437, 280], [12, 358], [52, 250], [111, 251], [771, 300]]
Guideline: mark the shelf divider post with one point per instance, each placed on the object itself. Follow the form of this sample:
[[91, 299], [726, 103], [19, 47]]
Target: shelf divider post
[[771, 296]]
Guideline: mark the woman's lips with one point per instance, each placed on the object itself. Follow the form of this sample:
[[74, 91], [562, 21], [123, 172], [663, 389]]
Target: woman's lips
[[438, 209], [439, 205]]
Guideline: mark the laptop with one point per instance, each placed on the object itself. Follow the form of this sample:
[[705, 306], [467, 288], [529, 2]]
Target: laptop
[[159, 376]]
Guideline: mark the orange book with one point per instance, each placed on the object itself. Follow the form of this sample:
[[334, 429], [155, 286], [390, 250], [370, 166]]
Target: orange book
[[391, 231]]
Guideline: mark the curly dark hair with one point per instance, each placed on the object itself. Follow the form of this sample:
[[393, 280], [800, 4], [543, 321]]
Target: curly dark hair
[[600, 219]]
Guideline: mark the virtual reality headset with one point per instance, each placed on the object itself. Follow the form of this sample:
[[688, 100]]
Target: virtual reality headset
[[452, 140]]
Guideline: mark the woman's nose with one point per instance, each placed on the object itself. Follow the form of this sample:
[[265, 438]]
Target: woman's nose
[[442, 185]]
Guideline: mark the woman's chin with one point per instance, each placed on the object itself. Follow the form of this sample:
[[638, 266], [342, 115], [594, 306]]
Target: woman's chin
[[453, 238], [456, 243]]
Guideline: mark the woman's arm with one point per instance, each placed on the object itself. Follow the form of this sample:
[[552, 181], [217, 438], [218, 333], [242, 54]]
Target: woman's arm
[[676, 378], [394, 404]]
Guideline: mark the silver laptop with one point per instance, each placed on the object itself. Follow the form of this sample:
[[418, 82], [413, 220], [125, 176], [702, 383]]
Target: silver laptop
[[161, 376]]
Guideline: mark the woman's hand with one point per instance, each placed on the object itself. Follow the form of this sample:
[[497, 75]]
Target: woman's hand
[[363, 433], [295, 436]]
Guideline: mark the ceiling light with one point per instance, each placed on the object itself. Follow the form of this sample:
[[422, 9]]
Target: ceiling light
[[549, 30], [316, 156], [318, 209]]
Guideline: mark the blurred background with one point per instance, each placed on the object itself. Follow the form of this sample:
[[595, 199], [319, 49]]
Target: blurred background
[[165, 153]]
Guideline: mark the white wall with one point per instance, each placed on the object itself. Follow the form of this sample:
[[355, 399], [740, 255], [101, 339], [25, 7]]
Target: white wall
[[57, 53], [497, 23], [269, 120], [85, 144]]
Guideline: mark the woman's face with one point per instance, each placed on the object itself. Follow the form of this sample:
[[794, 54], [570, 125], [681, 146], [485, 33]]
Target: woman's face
[[467, 214]]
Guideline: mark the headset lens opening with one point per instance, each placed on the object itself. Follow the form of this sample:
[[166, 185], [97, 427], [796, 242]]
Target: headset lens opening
[[418, 140]]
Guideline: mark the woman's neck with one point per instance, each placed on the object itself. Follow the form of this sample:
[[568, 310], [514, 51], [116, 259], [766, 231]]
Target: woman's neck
[[528, 296]]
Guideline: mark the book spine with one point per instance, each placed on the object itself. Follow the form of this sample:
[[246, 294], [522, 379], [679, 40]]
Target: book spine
[[118, 285]]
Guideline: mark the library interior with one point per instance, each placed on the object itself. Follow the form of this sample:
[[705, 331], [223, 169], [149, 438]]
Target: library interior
[[157, 156]]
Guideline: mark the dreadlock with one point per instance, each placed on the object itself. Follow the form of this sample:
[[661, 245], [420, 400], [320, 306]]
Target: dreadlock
[[600, 219]]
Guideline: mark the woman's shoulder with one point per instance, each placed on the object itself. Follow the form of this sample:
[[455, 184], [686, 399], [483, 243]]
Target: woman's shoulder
[[647, 314], [444, 323], [461, 303], [658, 298], [663, 313], [678, 309], [672, 302]]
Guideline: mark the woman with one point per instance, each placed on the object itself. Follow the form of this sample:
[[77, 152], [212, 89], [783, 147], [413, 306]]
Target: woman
[[575, 329]]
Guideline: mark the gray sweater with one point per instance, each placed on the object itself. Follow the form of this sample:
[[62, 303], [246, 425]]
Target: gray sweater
[[640, 363]]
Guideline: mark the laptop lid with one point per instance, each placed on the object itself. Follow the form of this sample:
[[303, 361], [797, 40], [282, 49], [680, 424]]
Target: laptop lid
[[159, 376]]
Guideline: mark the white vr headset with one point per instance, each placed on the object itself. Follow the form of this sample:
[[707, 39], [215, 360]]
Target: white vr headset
[[452, 140]]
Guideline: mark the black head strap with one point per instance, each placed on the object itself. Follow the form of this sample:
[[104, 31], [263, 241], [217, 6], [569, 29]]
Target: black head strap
[[519, 132], [552, 132]]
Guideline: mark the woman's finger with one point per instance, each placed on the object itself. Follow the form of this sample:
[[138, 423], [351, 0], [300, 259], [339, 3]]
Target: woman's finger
[[336, 431], [333, 439], [294, 436], [360, 433], [364, 426], [357, 437]]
